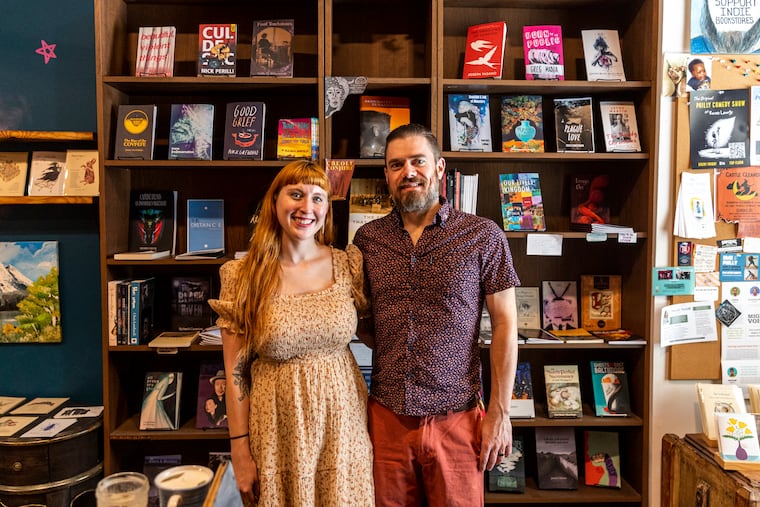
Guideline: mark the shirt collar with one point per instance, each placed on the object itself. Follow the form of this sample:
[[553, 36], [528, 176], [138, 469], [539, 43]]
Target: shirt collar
[[441, 216]]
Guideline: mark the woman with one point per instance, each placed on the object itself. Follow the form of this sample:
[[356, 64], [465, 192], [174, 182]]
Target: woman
[[296, 399]]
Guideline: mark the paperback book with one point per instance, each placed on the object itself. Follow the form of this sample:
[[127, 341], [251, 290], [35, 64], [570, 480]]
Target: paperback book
[[509, 474], [82, 173], [135, 132], [469, 122], [339, 172], [8, 402], [191, 131], [556, 458], [211, 411], [528, 307], [189, 303], [721, 398], [610, 386], [621, 132], [244, 131], [602, 54], [273, 51], [205, 229], [718, 128], [152, 465], [544, 56], [152, 223], [161, 401], [484, 51], [589, 202], [217, 49], [369, 198], [155, 51], [601, 302], [378, 115], [141, 310], [522, 123], [522, 405], [13, 172], [298, 138], [601, 450], [47, 171], [560, 304], [563, 391], [574, 122], [522, 206]]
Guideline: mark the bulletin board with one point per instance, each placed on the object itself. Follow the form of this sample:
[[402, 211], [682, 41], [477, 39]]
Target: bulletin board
[[701, 361]]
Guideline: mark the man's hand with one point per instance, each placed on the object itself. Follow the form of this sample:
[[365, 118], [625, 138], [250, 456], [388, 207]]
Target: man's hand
[[496, 434]]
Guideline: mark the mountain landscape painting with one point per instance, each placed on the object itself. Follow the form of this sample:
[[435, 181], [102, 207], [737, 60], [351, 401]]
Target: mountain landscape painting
[[30, 305]]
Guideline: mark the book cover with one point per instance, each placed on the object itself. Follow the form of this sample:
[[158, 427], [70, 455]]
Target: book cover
[[339, 172], [39, 406], [528, 307], [556, 458], [161, 401], [485, 333], [601, 302], [122, 311], [544, 55], [10, 425], [717, 27], [538, 336], [141, 312], [155, 51], [563, 391], [211, 410], [13, 174], [574, 122], [602, 54], [610, 386], [152, 465], [82, 173], [297, 138], [621, 132], [135, 132], [152, 221], [189, 303], [173, 340], [8, 402], [205, 225], [47, 171], [509, 474], [469, 122], [217, 49], [244, 131], [484, 51], [273, 51], [522, 123], [378, 115], [560, 304], [522, 205], [601, 451], [718, 128], [723, 398], [737, 437], [191, 131], [754, 133], [522, 405], [589, 203], [369, 198]]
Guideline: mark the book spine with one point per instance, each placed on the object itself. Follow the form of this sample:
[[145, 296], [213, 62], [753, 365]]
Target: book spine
[[112, 317], [122, 313], [134, 313]]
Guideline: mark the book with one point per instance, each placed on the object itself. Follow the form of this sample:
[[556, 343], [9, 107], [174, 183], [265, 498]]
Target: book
[[273, 49], [191, 129], [152, 224], [602, 55], [82, 173], [522, 123], [601, 302], [39, 406], [601, 451], [621, 132], [47, 171], [754, 398], [211, 410], [737, 438], [578, 335], [205, 228], [113, 316], [160, 409], [122, 311], [484, 51], [509, 474], [556, 458], [297, 138], [13, 174], [369, 198], [522, 405], [589, 203], [610, 386], [135, 132], [533, 336], [718, 128], [378, 116], [712, 398], [559, 304], [189, 303], [244, 131], [574, 123], [522, 205], [543, 51], [339, 172], [8, 402], [172, 340], [619, 337], [217, 49], [10, 425], [563, 391], [469, 122], [141, 313], [152, 465], [155, 51], [528, 307]]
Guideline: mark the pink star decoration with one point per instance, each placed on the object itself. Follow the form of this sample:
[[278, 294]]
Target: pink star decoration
[[46, 50]]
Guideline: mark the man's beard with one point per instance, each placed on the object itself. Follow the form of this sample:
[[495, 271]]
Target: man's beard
[[411, 202]]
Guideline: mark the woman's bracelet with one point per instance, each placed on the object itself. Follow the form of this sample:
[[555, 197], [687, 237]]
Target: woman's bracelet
[[239, 436]]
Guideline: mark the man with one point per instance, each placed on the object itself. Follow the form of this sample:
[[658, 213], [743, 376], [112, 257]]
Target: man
[[430, 268], [217, 409]]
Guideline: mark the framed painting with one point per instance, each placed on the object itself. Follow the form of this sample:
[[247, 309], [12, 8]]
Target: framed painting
[[30, 304]]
